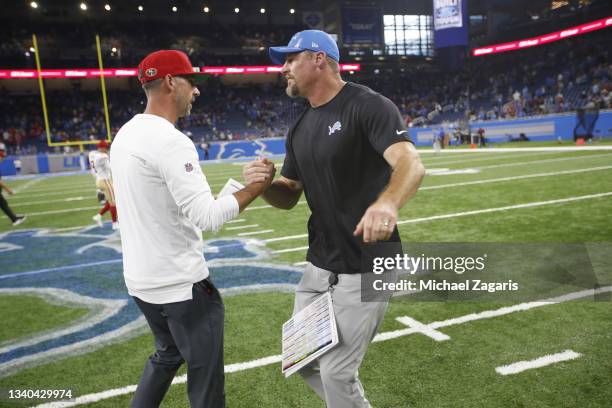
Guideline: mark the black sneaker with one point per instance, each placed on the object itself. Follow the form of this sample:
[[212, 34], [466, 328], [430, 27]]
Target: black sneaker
[[19, 220]]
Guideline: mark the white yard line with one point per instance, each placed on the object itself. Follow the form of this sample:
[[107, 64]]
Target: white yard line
[[241, 227], [90, 190], [236, 221], [62, 211], [513, 178], [487, 314], [283, 251], [246, 234], [468, 159], [543, 361], [261, 362], [591, 156], [506, 208], [63, 186], [63, 200], [27, 185], [460, 214]]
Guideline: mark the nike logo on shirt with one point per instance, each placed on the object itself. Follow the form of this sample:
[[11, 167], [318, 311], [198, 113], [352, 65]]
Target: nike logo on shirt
[[399, 133]]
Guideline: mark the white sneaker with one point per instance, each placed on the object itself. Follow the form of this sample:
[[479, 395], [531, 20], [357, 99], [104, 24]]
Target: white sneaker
[[115, 225], [98, 219], [19, 220]]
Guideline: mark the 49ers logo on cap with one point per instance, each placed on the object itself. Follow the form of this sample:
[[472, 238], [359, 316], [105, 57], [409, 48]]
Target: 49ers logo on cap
[[151, 72]]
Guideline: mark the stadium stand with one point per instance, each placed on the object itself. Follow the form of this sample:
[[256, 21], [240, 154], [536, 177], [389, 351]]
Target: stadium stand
[[576, 73]]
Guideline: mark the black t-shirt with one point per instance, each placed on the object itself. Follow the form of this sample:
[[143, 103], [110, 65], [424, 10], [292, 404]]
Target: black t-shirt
[[336, 151]]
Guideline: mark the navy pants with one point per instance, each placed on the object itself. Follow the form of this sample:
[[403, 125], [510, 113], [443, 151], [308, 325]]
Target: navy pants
[[190, 331]]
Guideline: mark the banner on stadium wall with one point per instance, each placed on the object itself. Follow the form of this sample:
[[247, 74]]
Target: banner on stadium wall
[[450, 23], [447, 14], [361, 25], [313, 19]]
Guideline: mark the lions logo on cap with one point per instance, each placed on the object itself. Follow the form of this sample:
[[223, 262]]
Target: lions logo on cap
[[151, 72]]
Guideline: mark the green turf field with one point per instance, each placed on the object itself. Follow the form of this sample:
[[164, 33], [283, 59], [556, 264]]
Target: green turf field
[[517, 197]]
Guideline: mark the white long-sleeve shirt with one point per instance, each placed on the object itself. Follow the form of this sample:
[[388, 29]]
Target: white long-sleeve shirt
[[164, 203]]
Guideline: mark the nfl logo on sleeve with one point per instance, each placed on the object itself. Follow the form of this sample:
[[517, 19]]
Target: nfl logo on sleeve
[[188, 167]]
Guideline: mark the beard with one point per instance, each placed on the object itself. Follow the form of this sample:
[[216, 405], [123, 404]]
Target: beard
[[292, 90], [186, 111]]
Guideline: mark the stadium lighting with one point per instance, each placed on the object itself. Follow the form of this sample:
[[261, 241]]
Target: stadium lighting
[[140, 8], [114, 49], [32, 49], [34, 5], [174, 9], [107, 7], [83, 6], [236, 10], [206, 9], [27, 53], [291, 11], [262, 10]]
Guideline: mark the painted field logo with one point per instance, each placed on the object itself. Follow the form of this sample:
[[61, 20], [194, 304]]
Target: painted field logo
[[84, 269]]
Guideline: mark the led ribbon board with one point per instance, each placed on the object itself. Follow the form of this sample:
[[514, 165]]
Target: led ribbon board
[[543, 39]]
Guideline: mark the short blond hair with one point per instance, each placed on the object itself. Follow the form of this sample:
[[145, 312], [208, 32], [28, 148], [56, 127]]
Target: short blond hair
[[332, 63]]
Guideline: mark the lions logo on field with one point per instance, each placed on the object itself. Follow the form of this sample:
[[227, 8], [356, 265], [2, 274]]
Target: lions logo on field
[[84, 269]]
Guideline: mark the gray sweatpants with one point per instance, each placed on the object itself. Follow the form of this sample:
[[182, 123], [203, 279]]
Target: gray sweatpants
[[334, 375]]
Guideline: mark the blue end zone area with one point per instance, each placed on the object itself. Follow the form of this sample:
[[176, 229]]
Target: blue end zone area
[[87, 265]]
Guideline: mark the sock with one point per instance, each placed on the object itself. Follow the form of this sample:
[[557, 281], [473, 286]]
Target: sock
[[113, 211], [105, 208]]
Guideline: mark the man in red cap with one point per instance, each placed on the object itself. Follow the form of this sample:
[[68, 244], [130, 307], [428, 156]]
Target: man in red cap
[[165, 203], [100, 164]]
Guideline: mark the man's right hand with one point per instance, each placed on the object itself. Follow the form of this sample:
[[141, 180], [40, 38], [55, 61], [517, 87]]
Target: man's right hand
[[259, 171]]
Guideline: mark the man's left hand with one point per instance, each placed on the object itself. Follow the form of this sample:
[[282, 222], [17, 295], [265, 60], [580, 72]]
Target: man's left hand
[[378, 222]]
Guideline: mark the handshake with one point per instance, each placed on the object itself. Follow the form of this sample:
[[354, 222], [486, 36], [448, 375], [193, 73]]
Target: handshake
[[261, 171]]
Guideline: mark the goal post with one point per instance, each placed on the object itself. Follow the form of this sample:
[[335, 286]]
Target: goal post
[[43, 99]]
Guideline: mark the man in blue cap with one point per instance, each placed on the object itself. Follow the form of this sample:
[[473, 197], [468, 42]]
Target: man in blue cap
[[350, 153]]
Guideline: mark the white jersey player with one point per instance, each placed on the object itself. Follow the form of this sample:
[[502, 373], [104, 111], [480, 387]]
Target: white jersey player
[[99, 162]]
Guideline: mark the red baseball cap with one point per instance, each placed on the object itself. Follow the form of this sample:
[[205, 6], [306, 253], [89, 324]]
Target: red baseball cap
[[161, 63], [103, 144]]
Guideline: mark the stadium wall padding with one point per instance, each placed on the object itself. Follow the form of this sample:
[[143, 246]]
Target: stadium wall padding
[[544, 128]]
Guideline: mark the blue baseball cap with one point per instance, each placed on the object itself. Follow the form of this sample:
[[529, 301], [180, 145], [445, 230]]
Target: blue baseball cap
[[311, 40]]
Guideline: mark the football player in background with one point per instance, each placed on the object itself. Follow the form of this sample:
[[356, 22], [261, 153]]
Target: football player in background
[[99, 162], [15, 219]]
